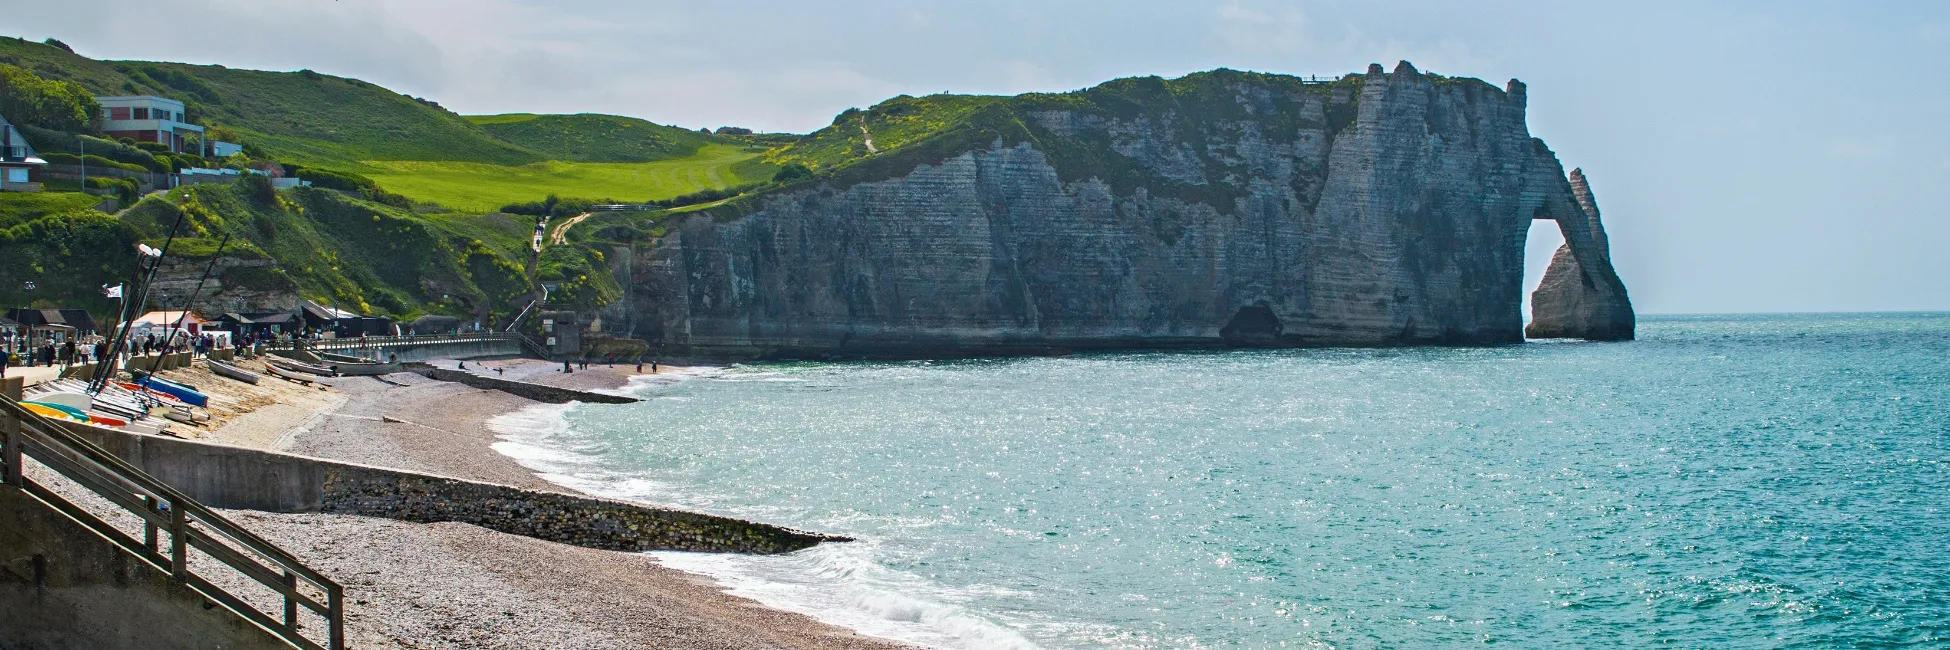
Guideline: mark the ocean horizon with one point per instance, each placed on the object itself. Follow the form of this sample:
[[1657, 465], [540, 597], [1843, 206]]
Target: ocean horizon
[[1726, 480]]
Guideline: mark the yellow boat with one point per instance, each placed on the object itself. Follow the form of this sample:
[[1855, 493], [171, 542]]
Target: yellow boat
[[49, 412]]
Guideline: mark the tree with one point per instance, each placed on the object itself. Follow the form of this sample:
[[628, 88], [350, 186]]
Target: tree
[[50, 104], [57, 43]]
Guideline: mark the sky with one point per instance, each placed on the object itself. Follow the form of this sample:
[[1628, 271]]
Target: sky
[[1747, 156]]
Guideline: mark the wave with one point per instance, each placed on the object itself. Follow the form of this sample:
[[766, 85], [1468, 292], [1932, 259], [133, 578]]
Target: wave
[[839, 584]]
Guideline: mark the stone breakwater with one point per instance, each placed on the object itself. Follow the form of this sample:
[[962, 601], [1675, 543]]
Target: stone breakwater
[[569, 519], [1392, 212], [234, 477]]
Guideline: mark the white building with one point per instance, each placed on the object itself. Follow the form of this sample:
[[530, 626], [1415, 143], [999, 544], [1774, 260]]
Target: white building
[[147, 118]]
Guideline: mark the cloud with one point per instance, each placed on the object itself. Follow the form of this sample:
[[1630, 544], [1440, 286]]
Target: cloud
[[1254, 27]]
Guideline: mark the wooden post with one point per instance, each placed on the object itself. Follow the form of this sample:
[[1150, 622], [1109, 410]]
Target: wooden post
[[149, 527], [290, 601], [10, 450], [335, 605], [179, 543]]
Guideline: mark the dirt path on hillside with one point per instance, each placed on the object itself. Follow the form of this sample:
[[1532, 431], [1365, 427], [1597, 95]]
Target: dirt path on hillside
[[561, 235], [864, 133]]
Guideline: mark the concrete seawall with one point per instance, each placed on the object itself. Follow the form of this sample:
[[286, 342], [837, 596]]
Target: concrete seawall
[[234, 477]]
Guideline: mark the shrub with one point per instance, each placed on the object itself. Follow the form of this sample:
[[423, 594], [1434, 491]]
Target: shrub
[[333, 179], [126, 190], [93, 161], [791, 172], [258, 188], [57, 43]]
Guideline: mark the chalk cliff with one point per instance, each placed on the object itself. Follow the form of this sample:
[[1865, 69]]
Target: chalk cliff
[[1220, 209]]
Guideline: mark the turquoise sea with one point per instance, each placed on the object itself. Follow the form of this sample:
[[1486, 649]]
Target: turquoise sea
[[1723, 482]]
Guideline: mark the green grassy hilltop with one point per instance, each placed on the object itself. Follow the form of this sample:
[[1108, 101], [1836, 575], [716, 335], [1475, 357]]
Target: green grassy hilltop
[[412, 146]]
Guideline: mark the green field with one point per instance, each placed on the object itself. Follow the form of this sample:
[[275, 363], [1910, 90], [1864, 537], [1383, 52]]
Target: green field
[[594, 138], [480, 187]]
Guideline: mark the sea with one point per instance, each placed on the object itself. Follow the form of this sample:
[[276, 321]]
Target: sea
[[1776, 481]]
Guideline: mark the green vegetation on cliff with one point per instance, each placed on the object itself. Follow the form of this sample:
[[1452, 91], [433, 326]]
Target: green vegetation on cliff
[[362, 255], [908, 131]]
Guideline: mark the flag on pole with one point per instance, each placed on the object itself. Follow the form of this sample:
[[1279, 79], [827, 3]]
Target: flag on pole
[[113, 292]]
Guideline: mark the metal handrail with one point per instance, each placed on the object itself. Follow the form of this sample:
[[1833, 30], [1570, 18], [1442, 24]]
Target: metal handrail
[[386, 341], [163, 508]]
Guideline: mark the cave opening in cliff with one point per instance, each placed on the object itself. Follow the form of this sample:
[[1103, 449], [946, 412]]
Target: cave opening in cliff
[[1538, 247]]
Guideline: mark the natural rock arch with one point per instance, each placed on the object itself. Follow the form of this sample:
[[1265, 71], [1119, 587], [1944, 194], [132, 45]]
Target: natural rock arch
[[1581, 295]]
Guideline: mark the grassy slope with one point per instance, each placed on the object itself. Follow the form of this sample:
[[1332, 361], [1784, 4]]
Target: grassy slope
[[18, 208], [589, 137], [302, 117], [481, 188]]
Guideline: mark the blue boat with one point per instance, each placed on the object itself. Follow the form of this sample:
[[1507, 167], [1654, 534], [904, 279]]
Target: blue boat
[[185, 393]]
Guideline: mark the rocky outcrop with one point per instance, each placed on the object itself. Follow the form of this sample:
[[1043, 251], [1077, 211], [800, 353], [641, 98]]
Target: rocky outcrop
[[1581, 295], [235, 284], [1390, 209]]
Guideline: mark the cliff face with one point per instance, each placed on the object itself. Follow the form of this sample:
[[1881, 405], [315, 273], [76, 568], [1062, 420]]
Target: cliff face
[[1390, 209]]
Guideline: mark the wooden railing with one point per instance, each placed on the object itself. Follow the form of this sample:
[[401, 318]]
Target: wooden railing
[[187, 524]]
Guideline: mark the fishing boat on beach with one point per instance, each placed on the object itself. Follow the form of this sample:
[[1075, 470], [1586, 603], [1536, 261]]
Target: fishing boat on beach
[[356, 367], [292, 365], [222, 369]]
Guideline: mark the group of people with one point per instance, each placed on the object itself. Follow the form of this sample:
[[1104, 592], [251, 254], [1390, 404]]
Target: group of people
[[46, 351], [29, 351], [152, 344]]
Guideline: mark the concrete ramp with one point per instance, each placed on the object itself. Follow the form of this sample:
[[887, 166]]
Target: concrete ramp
[[64, 586]]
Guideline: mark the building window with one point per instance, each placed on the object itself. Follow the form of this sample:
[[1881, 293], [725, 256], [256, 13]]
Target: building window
[[16, 174], [141, 113], [118, 113]]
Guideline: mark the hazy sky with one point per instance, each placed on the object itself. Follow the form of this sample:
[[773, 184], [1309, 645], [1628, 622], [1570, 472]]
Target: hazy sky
[[1765, 156]]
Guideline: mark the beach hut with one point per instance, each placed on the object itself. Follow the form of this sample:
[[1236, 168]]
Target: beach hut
[[75, 322]]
